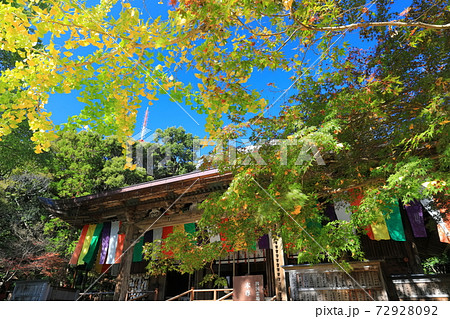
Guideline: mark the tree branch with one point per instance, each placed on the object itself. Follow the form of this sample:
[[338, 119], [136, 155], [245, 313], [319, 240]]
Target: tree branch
[[393, 23], [348, 27], [260, 34]]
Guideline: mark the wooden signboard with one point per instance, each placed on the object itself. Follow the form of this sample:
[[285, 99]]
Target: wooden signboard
[[422, 287], [248, 288], [327, 282], [35, 290]]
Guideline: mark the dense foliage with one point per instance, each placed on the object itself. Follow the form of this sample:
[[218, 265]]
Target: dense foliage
[[378, 118], [35, 244], [26, 241], [376, 111], [171, 152], [86, 163]]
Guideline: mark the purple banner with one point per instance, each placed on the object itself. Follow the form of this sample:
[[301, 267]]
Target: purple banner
[[105, 241], [415, 216], [330, 213], [148, 236], [263, 242]]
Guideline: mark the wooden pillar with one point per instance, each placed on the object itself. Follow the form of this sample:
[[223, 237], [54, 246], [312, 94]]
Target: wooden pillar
[[234, 264], [270, 273], [122, 281], [278, 262]]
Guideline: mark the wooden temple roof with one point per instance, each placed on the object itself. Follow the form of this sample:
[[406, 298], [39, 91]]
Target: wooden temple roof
[[143, 203]]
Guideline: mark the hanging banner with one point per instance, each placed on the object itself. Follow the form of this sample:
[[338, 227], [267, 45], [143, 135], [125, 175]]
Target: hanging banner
[[97, 266], [105, 242], [137, 250], [79, 246], [93, 247], [86, 244], [264, 242], [379, 228], [356, 198], [119, 248], [415, 216], [342, 209], [165, 233], [214, 238], [157, 234], [443, 226], [190, 229], [112, 242], [394, 221], [148, 236], [330, 212]]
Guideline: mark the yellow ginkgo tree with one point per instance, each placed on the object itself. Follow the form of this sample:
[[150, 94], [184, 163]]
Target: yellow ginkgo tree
[[115, 61]]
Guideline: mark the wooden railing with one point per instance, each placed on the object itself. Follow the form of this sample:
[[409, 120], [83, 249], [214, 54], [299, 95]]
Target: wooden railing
[[191, 292], [96, 295], [109, 295], [144, 295]]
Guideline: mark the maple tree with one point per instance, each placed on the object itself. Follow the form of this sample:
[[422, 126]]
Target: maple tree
[[382, 136], [378, 116], [33, 245]]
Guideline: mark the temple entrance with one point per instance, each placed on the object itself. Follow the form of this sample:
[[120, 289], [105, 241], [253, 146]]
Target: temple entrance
[[176, 284]]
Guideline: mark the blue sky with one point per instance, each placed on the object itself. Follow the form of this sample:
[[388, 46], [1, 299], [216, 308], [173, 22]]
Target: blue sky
[[165, 113]]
